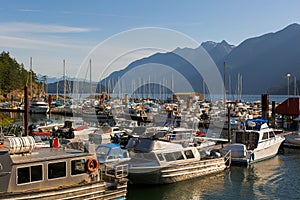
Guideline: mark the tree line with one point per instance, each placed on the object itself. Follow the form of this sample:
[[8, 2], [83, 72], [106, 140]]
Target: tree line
[[13, 75]]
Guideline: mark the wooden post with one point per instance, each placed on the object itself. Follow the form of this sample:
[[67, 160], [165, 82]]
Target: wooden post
[[26, 110], [229, 124]]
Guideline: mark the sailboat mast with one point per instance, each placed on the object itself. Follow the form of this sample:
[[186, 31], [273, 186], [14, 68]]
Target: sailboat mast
[[65, 81], [295, 86], [224, 83], [90, 77], [31, 77]]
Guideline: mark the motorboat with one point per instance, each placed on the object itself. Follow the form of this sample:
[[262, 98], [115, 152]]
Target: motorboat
[[38, 107], [111, 153], [160, 162], [74, 128], [254, 142], [292, 140], [27, 173]]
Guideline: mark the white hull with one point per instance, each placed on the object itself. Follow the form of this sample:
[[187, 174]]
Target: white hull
[[177, 172], [293, 140], [38, 107], [265, 150]]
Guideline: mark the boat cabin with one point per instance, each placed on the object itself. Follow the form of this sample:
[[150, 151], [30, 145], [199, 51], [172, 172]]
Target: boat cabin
[[255, 132], [160, 152], [23, 168]]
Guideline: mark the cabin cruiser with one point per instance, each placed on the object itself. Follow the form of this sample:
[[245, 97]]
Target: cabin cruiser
[[27, 172], [38, 107], [159, 162], [255, 142]]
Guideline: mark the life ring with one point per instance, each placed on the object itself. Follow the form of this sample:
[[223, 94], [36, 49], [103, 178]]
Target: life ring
[[92, 165]]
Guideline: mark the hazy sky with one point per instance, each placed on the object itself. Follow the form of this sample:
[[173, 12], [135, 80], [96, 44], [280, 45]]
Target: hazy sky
[[50, 31]]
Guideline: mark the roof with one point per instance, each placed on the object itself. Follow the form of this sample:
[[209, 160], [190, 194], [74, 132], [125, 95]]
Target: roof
[[111, 145], [47, 154], [290, 106]]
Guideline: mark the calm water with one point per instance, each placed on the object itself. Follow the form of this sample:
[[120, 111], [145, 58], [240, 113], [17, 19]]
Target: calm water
[[276, 178]]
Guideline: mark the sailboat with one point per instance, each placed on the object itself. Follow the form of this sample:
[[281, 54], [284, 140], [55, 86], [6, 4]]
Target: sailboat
[[36, 106]]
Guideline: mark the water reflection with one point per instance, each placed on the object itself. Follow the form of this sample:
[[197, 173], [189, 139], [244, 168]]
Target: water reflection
[[276, 178]]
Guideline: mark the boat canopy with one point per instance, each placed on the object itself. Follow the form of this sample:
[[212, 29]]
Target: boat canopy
[[255, 124], [147, 145]]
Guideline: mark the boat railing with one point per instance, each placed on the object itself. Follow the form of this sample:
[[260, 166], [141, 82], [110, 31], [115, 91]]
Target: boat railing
[[227, 158], [118, 171]]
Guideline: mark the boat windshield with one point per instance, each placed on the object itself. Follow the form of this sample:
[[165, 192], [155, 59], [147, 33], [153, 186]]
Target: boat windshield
[[102, 152]]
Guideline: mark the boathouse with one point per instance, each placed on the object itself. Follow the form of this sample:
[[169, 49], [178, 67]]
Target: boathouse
[[289, 110]]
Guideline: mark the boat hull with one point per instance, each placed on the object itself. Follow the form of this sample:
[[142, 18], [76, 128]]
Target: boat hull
[[263, 153], [176, 172], [98, 190], [292, 141]]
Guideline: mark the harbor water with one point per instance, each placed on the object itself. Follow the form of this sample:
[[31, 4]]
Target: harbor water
[[275, 178]]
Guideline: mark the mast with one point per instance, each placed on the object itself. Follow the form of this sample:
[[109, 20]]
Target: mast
[[90, 77], [295, 86], [224, 83], [30, 78], [203, 88], [65, 81]]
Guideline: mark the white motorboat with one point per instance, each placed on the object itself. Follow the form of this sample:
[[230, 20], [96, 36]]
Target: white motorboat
[[255, 142], [159, 162], [38, 107]]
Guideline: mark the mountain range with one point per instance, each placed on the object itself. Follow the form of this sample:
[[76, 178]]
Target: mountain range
[[262, 61]]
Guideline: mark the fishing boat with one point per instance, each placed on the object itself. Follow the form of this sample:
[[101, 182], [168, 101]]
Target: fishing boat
[[27, 173], [160, 162], [255, 142], [38, 107]]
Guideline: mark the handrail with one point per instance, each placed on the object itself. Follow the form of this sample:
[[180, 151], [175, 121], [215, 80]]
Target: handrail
[[227, 158], [119, 171]]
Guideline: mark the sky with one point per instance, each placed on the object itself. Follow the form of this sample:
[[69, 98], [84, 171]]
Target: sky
[[72, 30]]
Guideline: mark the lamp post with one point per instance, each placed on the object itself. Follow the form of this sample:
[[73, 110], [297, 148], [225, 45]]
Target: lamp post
[[288, 83]]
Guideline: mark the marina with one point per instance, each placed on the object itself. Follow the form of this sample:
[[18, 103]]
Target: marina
[[164, 143]]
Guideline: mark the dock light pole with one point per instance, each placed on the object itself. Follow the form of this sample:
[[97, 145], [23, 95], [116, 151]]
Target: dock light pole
[[288, 84], [230, 105]]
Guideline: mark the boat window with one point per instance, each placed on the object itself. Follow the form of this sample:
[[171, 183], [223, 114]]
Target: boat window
[[189, 154], [178, 155], [29, 174], [149, 156], [265, 136], [160, 157], [169, 157], [271, 134], [239, 137], [36, 173], [78, 166], [56, 170], [23, 175], [124, 154]]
